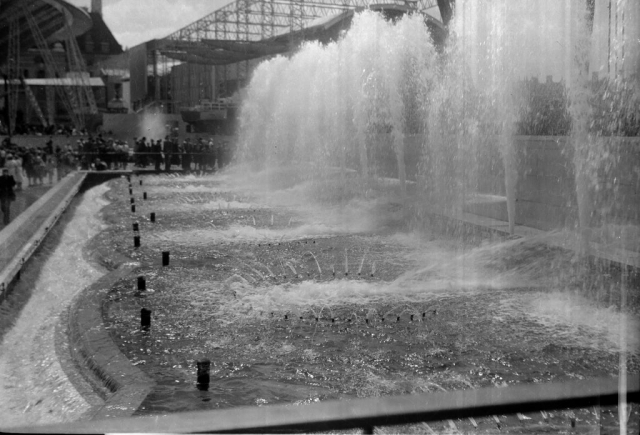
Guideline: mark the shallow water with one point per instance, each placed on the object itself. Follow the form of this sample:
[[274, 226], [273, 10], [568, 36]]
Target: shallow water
[[296, 308]]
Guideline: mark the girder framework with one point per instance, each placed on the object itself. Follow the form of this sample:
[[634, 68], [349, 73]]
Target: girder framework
[[255, 20], [13, 71], [232, 37]]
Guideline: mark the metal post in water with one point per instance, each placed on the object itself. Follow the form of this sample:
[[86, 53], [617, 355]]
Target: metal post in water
[[165, 258], [142, 283], [145, 319], [133, 201], [136, 226], [203, 377], [133, 208], [136, 241], [152, 217], [130, 190], [141, 182], [144, 195]]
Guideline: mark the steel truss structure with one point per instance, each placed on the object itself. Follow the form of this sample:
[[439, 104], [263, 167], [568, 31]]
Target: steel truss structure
[[234, 36], [257, 20]]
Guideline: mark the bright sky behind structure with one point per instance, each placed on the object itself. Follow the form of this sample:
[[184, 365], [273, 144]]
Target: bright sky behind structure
[[135, 21]]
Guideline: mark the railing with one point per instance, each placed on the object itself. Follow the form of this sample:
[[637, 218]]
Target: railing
[[369, 413]]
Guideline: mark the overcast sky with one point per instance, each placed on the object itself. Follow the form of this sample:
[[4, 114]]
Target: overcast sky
[[135, 21]]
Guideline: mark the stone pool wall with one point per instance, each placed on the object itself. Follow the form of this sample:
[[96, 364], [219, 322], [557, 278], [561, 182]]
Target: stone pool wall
[[545, 195]]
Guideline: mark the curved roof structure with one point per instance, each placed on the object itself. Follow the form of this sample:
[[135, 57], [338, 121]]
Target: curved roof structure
[[248, 29], [51, 16]]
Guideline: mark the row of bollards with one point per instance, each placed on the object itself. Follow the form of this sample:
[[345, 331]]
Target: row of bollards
[[204, 366], [366, 320], [136, 225]]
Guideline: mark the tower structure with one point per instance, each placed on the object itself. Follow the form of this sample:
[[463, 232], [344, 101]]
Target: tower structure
[[96, 7]]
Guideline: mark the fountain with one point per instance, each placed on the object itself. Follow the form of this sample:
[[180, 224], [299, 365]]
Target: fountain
[[334, 141], [381, 94]]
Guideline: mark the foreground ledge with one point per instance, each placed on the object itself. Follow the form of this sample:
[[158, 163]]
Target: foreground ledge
[[367, 413]]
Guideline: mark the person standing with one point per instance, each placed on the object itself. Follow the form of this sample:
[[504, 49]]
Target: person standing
[[7, 195], [168, 153], [15, 169], [156, 149]]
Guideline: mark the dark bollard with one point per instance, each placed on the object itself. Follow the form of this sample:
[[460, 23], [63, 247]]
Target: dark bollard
[[424, 314], [136, 241], [366, 321], [129, 178], [286, 317], [136, 227], [398, 319], [141, 182], [144, 195], [130, 191], [165, 258], [203, 374], [145, 319], [152, 217], [412, 317], [133, 208], [133, 201], [142, 283]]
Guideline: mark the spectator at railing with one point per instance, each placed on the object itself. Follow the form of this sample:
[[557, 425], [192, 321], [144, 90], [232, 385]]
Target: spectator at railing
[[7, 195]]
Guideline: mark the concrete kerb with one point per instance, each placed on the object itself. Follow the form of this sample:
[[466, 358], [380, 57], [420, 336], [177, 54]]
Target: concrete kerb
[[112, 376]]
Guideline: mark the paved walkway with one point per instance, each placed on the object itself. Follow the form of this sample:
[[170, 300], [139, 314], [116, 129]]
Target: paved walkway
[[17, 239], [24, 199]]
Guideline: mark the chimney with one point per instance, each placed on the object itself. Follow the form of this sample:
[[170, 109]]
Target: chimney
[[96, 7]]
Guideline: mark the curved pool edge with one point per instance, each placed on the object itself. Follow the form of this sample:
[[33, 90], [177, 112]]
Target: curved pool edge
[[100, 372], [105, 372]]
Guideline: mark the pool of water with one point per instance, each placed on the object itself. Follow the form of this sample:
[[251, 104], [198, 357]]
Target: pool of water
[[297, 301]]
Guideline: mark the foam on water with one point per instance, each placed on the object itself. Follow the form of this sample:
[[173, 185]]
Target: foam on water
[[437, 269], [195, 204]]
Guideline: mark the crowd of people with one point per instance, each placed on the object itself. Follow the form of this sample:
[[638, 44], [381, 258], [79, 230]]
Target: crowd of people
[[40, 130], [23, 167], [161, 154], [34, 166]]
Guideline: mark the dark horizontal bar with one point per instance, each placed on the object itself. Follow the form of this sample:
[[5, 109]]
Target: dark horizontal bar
[[358, 413]]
